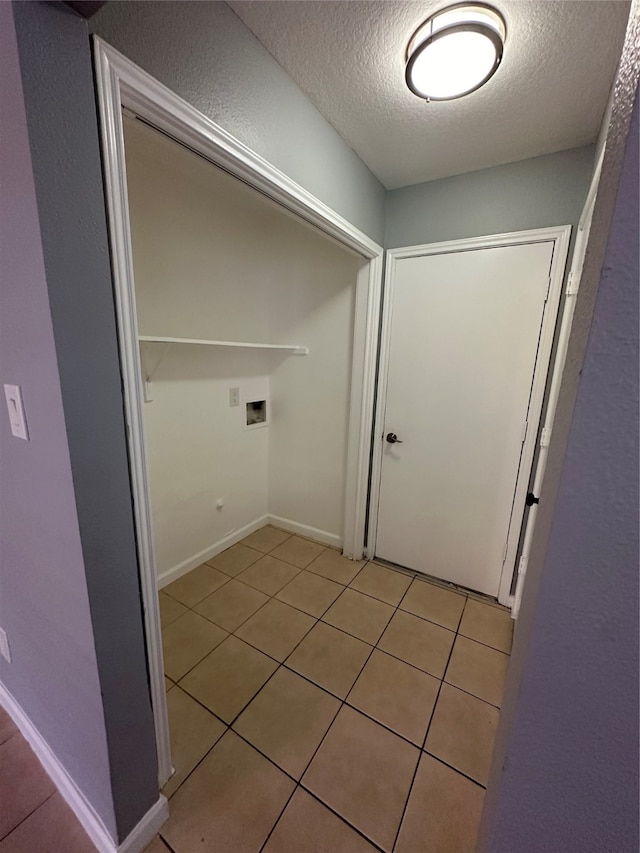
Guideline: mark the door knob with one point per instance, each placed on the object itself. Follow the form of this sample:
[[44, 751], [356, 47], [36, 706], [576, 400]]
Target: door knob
[[392, 438]]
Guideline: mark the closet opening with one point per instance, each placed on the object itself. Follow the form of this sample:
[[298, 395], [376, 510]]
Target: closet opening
[[245, 317], [247, 321]]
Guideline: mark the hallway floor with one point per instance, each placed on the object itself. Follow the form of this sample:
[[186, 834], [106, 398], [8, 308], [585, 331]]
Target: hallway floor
[[320, 705], [34, 818]]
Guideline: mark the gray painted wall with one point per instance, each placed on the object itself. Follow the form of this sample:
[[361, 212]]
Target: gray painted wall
[[57, 79], [204, 53], [61, 113], [567, 746], [44, 605], [535, 193]]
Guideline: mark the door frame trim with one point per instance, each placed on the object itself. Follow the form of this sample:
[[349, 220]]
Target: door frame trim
[[121, 83], [560, 236]]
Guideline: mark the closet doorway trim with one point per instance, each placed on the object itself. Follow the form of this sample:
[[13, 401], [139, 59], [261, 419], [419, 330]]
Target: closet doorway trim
[[122, 84]]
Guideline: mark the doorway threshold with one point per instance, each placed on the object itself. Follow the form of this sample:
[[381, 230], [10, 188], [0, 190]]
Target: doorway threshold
[[423, 576]]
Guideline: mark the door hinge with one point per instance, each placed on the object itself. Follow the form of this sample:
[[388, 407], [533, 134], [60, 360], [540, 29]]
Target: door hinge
[[522, 566], [525, 429], [504, 553], [548, 289], [545, 437], [573, 283]]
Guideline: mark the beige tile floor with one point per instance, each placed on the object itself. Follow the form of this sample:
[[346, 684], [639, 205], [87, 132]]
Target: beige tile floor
[[320, 705], [33, 816], [316, 705]]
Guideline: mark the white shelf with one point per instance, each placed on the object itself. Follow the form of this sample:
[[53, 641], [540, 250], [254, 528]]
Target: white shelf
[[294, 349]]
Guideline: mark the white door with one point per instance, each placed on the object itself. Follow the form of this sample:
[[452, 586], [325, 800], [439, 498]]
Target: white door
[[465, 331]]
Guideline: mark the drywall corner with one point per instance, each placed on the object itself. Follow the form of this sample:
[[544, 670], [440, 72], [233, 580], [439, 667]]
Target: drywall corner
[[57, 80], [44, 605]]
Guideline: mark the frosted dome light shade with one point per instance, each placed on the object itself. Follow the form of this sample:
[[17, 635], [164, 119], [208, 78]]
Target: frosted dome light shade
[[456, 63], [454, 53]]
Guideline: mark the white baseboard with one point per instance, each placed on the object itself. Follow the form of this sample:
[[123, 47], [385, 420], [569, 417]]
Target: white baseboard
[[92, 823], [146, 829], [196, 560], [305, 530], [286, 524]]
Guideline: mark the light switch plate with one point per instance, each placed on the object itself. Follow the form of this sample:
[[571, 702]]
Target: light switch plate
[[16, 411], [4, 646], [234, 397]]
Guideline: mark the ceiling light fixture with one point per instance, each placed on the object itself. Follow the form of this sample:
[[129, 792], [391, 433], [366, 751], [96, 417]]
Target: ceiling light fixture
[[455, 52]]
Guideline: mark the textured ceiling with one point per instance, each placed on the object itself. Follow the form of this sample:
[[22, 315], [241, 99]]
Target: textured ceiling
[[549, 94]]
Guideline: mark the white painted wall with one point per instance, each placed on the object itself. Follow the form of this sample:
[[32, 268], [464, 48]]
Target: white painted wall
[[314, 299], [196, 274], [215, 260], [199, 451]]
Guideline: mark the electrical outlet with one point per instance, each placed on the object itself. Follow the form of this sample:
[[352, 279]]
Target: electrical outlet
[[234, 397], [4, 646]]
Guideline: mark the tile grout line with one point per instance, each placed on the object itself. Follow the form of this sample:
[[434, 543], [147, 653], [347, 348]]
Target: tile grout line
[[277, 820], [245, 706], [280, 664], [263, 554], [233, 633], [316, 750], [458, 634], [343, 702], [33, 811], [345, 587], [340, 707], [165, 842], [228, 725], [462, 690], [356, 710], [399, 570], [341, 818], [473, 695], [426, 735], [240, 639], [283, 665], [454, 769], [269, 597], [424, 749], [290, 669], [343, 631], [297, 782], [375, 645], [444, 673], [229, 633], [320, 618], [423, 577]]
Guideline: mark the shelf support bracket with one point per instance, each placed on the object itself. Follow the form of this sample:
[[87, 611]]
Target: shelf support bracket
[[147, 375]]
